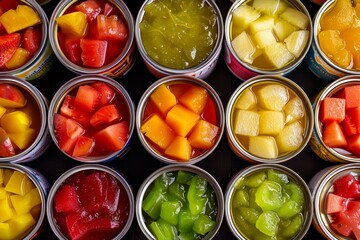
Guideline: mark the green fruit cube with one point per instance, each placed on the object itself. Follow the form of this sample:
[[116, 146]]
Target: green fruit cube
[[178, 191], [269, 7], [240, 198], [246, 123], [296, 18], [184, 177], [294, 110], [297, 41], [246, 101], [152, 203], [277, 176], [271, 122], [265, 38], [294, 227], [195, 195], [290, 138], [255, 179], [269, 195], [247, 229], [164, 181], [244, 47], [203, 224], [283, 29], [189, 236], [296, 193], [163, 230], [273, 97], [263, 23], [250, 214], [243, 15], [278, 55], [263, 146], [252, 199], [289, 209], [268, 223], [186, 220]]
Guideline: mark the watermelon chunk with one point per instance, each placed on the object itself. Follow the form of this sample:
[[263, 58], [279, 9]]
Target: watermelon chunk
[[66, 199], [335, 203], [347, 186], [333, 135], [353, 144], [112, 138], [332, 109], [352, 96]]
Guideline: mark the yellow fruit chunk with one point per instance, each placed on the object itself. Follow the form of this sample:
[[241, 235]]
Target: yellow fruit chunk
[[195, 98], [294, 110], [273, 97], [5, 231], [340, 16], [297, 41], [163, 98], [203, 135], [262, 23], [247, 100], [19, 58], [21, 18], [246, 123], [330, 42], [5, 209], [20, 225], [19, 183], [278, 55], [23, 204], [263, 146], [2, 111], [343, 58], [270, 7], [179, 148], [351, 37], [243, 15], [283, 29], [74, 23], [2, 193], [15, 122], [244, 47], [181, 119], [156, 129], [296, 18], [1, 177], [264, 38], [7, 173], [290, 138], [23, 139], [271, 122]]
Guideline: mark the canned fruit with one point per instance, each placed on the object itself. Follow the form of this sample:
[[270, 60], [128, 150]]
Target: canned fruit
[[268, 120], [91, 203], [92, 121], [269, 35], [180, 121], [339, 17], [20, 34], [267, 203], [178, 35], [92, 33], [179, 204], [20, 202]]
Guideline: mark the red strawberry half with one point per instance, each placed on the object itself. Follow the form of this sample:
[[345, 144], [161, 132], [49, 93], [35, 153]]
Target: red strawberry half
[[8, 45], [105, 116]]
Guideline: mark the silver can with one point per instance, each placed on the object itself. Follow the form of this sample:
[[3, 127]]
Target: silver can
[[308, 123], [168, 81], [42, 140], [122, 94], [144, 188], [201, 70], [243, 70], [42, 185], [293, 176], [90, 168]]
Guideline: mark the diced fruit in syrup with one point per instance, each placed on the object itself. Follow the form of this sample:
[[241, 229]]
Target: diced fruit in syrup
[[179, 148], [262, 23], [195, 98], [294, 110], [66, 199], [332, 109], [90, 7], [247, 100], [72, 49], [163, 98], [267, 223], [283, 29], [170, 212], [339, 17], [254, 180], [15, 122], [269, 7], [297, 41], [335, 203], [84, 146], [31, 39], [87, 98], [271, 122], [269, 195], [347, 186], [273, 97], [113, 137], [244, 47], [278, 55], [203, 224], [296, 18], [203, 136], [93, 52], [74, 23], [243, 16], [23, 139], [8, 45], [19, 58], [15, 20], [181, 119], [68, 109], [6, 147], [265, 38], [246, 123], [105, 116], [263, 146], [111, 28], [290, 138], [333, 135], [294, 227], [352, 96]]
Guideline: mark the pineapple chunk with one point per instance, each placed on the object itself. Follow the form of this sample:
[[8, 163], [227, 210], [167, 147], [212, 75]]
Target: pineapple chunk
[[283, 29], [273, 97], [271, 122], [270, 7], [19, 58], [296, 18], [263, 146], [20, 224], [15, 122], [23, 139], [3, 194], [246, 123], [260, 24], [19, 183], [265, 38], [5, 231], [2, 111], [294, 110], [7, 175], [296, 42], [180, 149], [6, 210], [181, 119], [163, 98], [23, 204], [290, 138], [246, 101], [74, 23], [244, 47], [278, 55], [243, 15]]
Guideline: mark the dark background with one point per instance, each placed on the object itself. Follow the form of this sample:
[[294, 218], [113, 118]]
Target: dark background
[[137, 164]]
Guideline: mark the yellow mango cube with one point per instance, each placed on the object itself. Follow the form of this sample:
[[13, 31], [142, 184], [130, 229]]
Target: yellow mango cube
[[21, 18], [181, 119], [179, 148], [20, 225], [19, 183], [195, 98], [5, 232], [15, 122], [203, 135], [246, 123], [23, 204], [19, 58], [156, 129], [290, 138], [23, 139], [7, 175], [163, 98], [271, 122], [2, 193], [6, 210], [263, 146], [74, 23]]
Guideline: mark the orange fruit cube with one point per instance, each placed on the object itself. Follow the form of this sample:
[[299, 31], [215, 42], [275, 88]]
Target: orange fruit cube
[[194, 98], [339, 17], [179, 148], [163, 99], [203, 135], [181, 119]]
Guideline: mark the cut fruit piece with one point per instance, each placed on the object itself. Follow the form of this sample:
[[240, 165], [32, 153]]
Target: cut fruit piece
[[296, 42], [353, 115], [264, 38], [83, 147], [15, 20], [170, 212], [294, 226], [179, 148], [107, 93], [267, 223], [203, 224], [278, 55], [352, 96], [335, 203], [353, 144], [87, 98], [269, 195], [262, 23], [105, 116], [243, 15], [283, 29], [181, 119], [194, 98], [90, 7], [7, 212], [112, 138], [111, 28], [19, 183], [23, 139], [20, 57], [151, 204], [6, 146], [290, 138], [163, 99], [347, 186], [271, 122], [8, 45], [244, 47], [247, 100], [263, 146], [11, 96], [273, 97], [204, 134], [66, 199], [270, 7], [74, 23], [339, 17], [24, 204], [349, 126], [20, 224], [332, 109], [72, 49], [16, 122], [93, 52], [68, 109], [296, 18], [333, 135], [330, 42], [294, 110], [246, 123]]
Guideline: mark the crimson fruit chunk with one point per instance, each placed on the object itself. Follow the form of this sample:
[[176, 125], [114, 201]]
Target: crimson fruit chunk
[[66, 199]]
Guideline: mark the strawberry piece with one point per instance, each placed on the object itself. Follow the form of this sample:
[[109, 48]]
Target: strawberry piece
[[347, 186], [66, 199], [6, 147], [353, 144], [93, 52], [72, 50], [333, 135], [108, 9], [105, 116], [91, 8], [111, 28], [84, 146], [112, 138], [31, 39], [8, 45], [68, 109], [335, 203], [107, 93], [87, 98]]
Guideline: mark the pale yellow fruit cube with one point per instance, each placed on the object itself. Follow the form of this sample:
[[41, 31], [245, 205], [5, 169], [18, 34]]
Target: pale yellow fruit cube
[[270, 7], [278, 55], [273, 97], [23, 204], [263, 146], [2, 193], [243, 15], [244, 47], [20, 57], [6, 210], [20, 224], [246, 123], [15, 122], [283, 29], [247, 100], [19, 183], [5, 231], [297, 41], [294, 110], [290, 138], [265, 38], [263, 23], [296, 18], [271, 122]]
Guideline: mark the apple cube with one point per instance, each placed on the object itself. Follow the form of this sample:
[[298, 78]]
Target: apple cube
[[296, 18], [203, 135], [262, 23], [19, 183], [244, 47], [181, 119], [156, 129], [20, 224], [179, 148], [23, 139], [246, 123], [297, 41], [265, 38], [273, 97], [15, 122], [283, 29], [271, 122], [243, 15], [270, 7], [23, 204], [163, 99], [195, 98], [294, 110], [290, 138], [263, 146], [247, 100], [278, 54]]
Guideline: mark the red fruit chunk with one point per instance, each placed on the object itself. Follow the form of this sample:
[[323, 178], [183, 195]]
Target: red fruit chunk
[[342, 224], [90, 8], [107, 94], [31, 39], [354, 114], [333, 135], [209, 113], [347, 186], [112, 138], [353, 145], [8, 45], [111, 28], [66, 199], [93, 52], [6, 147], [108, 9], [112, 197], [6, 5], [87, 98], [105, 116], [332, 109], [73, 50], [84, 146], [11, 96], [352, 96], [68, 109], [349, 126], [92, 189], [113, 50], [335, 203]]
